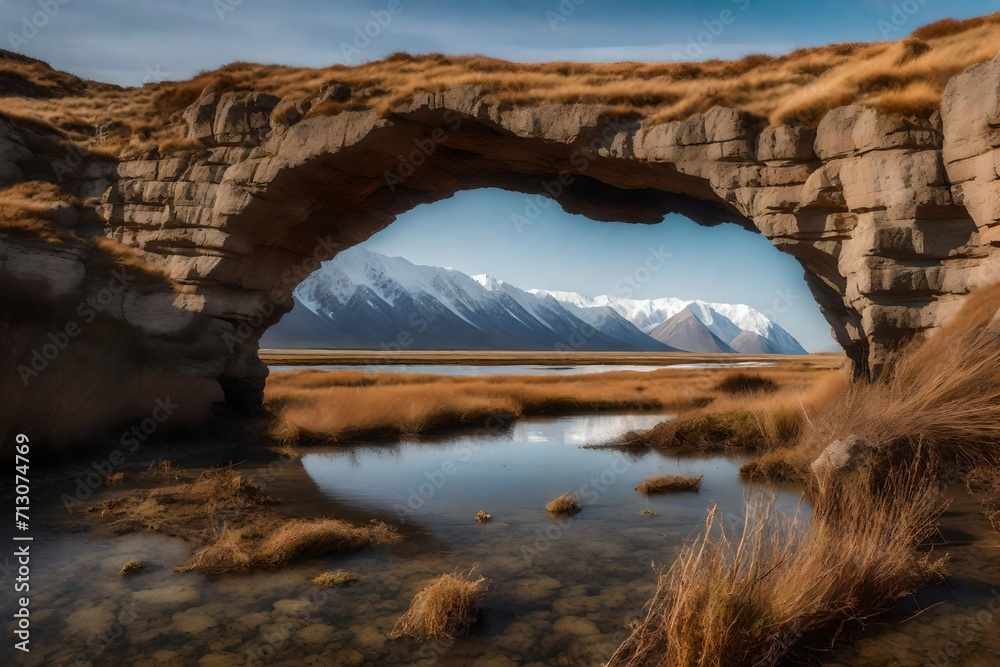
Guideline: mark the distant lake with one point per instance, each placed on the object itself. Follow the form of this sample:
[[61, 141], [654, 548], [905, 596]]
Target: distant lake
[[510, 369]]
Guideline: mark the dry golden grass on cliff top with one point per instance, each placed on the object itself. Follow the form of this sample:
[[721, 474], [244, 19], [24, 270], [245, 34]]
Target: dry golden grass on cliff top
[[902, 77]]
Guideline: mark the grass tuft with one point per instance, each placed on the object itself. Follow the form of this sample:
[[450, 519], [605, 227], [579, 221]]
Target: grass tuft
[[482, 516], [666, 483], [779, 590], [114, 479], [336, 578], [567, 503], [230, 522], [313, 537], [446, 608], [746, 383], [940, 395], [131, 567]]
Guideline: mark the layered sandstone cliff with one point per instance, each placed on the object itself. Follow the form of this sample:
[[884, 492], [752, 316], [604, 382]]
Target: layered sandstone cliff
[[893, 219]]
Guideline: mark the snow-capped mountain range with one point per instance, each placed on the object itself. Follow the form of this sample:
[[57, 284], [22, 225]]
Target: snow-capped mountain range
[[364, 300]]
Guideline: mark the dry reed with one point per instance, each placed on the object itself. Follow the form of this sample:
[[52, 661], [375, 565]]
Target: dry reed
[[566, 503], [230, 522], [315, 406], [941, 394], [666, 483], [780, 589], [447, 607], [337, 578]]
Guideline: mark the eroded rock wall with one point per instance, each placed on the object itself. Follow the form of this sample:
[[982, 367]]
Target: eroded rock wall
[[894, 220]]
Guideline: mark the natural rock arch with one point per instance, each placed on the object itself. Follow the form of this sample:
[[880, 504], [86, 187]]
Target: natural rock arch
[[893, 220]]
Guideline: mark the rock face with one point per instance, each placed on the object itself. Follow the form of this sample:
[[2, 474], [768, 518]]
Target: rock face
[[893, 220], [842, 456]]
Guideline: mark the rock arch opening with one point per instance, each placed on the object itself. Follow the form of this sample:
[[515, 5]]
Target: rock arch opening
[[523, 275], [889, 218]]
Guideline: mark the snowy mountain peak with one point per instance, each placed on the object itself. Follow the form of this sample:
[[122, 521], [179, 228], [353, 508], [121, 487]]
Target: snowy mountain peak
[[489, 282], [362, 299]]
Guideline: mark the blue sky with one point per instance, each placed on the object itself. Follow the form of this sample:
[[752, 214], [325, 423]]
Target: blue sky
[[130, 42], [474, 233]]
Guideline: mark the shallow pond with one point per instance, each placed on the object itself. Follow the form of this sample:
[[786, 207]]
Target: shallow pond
[[561, 591]]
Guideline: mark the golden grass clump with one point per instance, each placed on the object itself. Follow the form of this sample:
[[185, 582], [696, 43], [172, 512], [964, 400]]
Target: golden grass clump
[[940, 394], [705, 431], [920, 98], [114, 479], [160, 469], [232, 525], [747, 383], [482, 516], [566, 503], [173, 145], [780, 589], [131, 567], [447, 607], [939, 397], [760, 421], [304, 537], [787, 464], [319, 406], [272, 544], [336, 578], [228, 553], [666, 483]]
